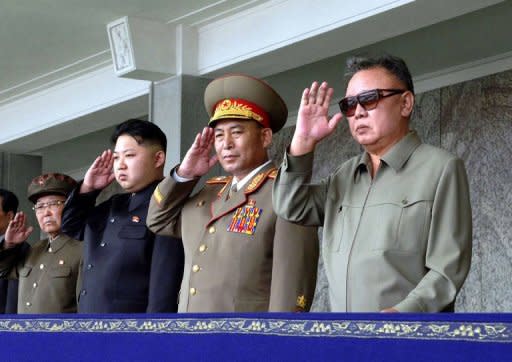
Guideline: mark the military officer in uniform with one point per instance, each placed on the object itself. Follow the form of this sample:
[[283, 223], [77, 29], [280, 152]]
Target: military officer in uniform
[[126, 268], [239, 256], [48, 270]]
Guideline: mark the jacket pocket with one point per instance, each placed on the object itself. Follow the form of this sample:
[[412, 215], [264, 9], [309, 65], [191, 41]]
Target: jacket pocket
[[25, 271], [414, 225], [59, 272], [402, 225], [340, 228], [251, 306], [133, 232]]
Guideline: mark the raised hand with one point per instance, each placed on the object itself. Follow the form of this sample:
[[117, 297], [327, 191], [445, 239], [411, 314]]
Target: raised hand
[[100, 174], [313, 123], [197, 162], [17, 231]]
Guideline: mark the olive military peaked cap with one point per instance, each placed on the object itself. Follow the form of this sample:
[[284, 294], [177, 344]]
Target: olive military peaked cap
[[239, 96], [50, 184]]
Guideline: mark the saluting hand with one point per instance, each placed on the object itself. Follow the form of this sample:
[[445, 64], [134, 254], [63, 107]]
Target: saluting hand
[[100, 174], [313, 123], [197, 162], [17, 231]]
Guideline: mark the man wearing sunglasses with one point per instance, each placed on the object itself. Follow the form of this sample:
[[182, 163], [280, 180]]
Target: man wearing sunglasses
[[397, 219]]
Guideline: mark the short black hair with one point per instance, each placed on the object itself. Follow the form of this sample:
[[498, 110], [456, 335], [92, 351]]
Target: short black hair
[[144, 132], [392, 64], [9, 201]]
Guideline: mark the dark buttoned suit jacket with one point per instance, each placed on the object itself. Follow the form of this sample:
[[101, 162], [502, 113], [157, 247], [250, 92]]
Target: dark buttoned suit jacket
[[126, 267]]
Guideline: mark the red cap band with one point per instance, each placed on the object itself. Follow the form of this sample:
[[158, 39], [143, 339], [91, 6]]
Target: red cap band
[[240, 109]]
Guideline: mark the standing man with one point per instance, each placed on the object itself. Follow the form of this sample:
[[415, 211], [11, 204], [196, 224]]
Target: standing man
[[8, 288], [239, 256], [126, 268], [397, 219], [48, 270]]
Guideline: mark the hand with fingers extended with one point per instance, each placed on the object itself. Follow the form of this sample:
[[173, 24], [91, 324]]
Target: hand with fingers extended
[[100, 174], [17, 231], [313, 123], [197, 162]]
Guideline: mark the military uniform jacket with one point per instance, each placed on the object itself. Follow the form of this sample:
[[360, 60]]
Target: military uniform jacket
[[402, 239], [239, 256], [47, 274], [126, 267]]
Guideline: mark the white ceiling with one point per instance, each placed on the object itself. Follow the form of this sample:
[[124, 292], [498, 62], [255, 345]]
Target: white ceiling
[[47, 41]]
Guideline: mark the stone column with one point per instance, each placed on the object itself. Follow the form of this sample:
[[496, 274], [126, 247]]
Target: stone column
[[177, 107]]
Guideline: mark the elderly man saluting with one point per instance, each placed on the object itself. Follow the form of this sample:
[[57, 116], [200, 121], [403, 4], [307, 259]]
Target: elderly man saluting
[[48, 270], [397, 218], [239, 255]]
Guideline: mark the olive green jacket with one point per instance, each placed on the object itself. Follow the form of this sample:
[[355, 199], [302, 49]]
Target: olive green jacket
[[402, 239], [47, 275]]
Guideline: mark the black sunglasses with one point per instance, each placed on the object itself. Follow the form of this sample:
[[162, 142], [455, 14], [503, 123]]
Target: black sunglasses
[[367, 99]]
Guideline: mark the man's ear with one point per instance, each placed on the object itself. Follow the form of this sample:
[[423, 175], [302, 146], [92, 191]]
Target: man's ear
[[266, 135], [10, 215], [159, 158], [407, 104]]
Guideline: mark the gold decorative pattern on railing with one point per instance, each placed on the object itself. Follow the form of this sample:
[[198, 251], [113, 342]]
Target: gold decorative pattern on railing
[[432, 330]]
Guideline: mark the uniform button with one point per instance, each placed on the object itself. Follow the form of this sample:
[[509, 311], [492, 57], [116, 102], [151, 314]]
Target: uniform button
[[83, 292], [195, 268], [200, 203], [112, 220], [202, 248], [50, 250], [28, 304], [211, 230], [89, 266], [404, 201], [41, 266], [102, 244], [193, 291], [34, 285]]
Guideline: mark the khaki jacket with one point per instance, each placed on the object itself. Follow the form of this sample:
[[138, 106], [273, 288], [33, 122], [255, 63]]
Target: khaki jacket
[[239, 256], [47, 275]]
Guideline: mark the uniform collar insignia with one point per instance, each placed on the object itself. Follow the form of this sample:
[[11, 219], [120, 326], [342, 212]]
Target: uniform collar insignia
[[259, 180], [219, 180]]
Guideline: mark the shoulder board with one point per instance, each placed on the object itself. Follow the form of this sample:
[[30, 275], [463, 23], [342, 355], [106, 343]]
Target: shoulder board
[[259, 180], [219, 180], [273, 173]]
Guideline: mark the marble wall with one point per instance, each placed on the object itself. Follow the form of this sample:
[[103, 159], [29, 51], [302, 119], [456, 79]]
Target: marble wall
[[474, 121]]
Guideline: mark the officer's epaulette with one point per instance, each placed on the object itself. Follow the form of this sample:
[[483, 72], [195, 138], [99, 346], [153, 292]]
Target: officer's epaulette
[[219, 180], [273, 173], [259, 180]]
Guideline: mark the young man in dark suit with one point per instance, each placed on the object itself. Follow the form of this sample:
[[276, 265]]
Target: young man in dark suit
[[126, 267]]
